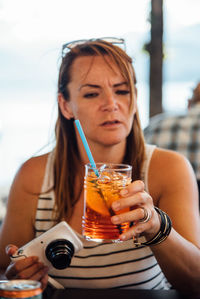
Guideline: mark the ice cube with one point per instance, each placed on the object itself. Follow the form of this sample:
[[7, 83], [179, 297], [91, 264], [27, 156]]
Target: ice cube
[[116, 176], [103, 179], [102, 167]]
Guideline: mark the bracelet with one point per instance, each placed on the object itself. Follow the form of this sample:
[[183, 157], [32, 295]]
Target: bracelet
[[165, 229]]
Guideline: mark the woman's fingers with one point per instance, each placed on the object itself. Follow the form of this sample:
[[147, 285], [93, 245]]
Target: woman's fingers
[[131, 216], [41, 275], [134, 216], [26, 268], [149, 228], [44, 281], [142, 213], [133, 195], [16, 267], [36, 270], [134, 187], [135, 200]]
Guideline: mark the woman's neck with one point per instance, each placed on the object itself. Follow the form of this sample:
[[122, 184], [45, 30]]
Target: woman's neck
[[114, 154], [101, 153]]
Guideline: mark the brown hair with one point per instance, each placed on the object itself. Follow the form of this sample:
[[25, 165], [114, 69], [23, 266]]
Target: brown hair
[[67, 159]]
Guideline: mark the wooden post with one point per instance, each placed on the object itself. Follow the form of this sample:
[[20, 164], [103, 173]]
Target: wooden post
[[156, 57]]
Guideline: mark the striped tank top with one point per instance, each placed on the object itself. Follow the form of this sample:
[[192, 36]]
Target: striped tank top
[[102, 265]]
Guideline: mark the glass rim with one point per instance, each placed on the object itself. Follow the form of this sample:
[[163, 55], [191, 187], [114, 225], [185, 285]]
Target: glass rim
[[124, 167], [31, 285]]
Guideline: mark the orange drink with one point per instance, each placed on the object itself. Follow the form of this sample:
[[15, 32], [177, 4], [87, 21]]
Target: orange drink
[[99, 194]]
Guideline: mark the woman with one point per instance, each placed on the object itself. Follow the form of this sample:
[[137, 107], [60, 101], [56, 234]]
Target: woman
[[97, 85]]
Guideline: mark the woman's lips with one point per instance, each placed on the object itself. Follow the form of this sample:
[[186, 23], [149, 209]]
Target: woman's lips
[[112, 123]]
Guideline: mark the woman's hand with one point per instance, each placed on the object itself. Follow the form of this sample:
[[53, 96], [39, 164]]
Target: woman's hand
[[26, 268], [139, 201]]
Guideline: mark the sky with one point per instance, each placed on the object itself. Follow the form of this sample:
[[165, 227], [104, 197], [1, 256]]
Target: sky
[[58, 20], [34, 30], [182, 13]]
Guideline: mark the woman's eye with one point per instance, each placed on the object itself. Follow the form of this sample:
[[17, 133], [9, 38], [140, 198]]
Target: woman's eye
[[122, 92], [90, 95]]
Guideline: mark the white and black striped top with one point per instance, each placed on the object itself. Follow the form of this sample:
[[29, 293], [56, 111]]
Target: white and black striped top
[[112, 265]]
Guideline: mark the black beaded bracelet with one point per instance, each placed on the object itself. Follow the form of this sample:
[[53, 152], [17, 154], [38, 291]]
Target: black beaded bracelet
[[165, 228]]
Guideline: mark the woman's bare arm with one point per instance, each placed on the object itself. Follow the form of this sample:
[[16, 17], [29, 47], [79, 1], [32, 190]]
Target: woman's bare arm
[[179, 255], [18, 225], [172, 188]]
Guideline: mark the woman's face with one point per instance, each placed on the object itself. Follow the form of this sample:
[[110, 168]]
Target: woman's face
[[100, 99]]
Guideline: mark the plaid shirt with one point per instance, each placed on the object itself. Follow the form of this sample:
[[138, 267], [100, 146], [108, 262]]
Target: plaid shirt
[[180, 133]]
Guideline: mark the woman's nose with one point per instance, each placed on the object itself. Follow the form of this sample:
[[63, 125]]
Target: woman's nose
[[109, 103]]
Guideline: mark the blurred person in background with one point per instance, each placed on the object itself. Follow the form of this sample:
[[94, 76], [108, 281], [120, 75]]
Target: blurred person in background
[[179, 132]]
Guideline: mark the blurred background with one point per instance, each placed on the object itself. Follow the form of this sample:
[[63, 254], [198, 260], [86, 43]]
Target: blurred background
[[32, 33]]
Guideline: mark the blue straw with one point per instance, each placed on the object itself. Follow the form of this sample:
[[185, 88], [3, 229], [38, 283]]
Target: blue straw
[[82, 135]]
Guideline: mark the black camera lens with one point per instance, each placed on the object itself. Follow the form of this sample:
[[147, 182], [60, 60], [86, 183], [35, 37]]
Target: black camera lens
[[59, 253]]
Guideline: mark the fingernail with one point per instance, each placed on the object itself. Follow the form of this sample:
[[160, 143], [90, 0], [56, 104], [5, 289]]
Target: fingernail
[[124, 192], [116, 205]]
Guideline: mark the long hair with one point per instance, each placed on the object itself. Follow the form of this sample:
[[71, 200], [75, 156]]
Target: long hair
[[67, 158]]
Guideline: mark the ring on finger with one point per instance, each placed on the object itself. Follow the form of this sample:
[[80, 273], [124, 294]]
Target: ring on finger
[[147, 215]]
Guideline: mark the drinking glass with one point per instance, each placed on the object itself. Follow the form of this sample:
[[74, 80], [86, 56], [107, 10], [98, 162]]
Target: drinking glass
[[99, 194]]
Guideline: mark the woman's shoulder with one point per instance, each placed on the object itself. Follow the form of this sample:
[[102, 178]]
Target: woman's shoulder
[[165, 160], [31, 173], [169, 169], [161, 153], [35, 163], [169, 162], [166, 156]]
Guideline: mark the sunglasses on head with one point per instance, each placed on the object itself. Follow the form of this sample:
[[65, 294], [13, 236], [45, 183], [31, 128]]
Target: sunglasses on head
[[70, 45]]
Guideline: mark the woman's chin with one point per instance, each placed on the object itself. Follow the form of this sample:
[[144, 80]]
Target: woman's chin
[[110, 138], [112, 141]]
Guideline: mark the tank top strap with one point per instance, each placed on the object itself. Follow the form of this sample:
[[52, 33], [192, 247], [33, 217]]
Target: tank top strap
[[149, 149], [48, 176]]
